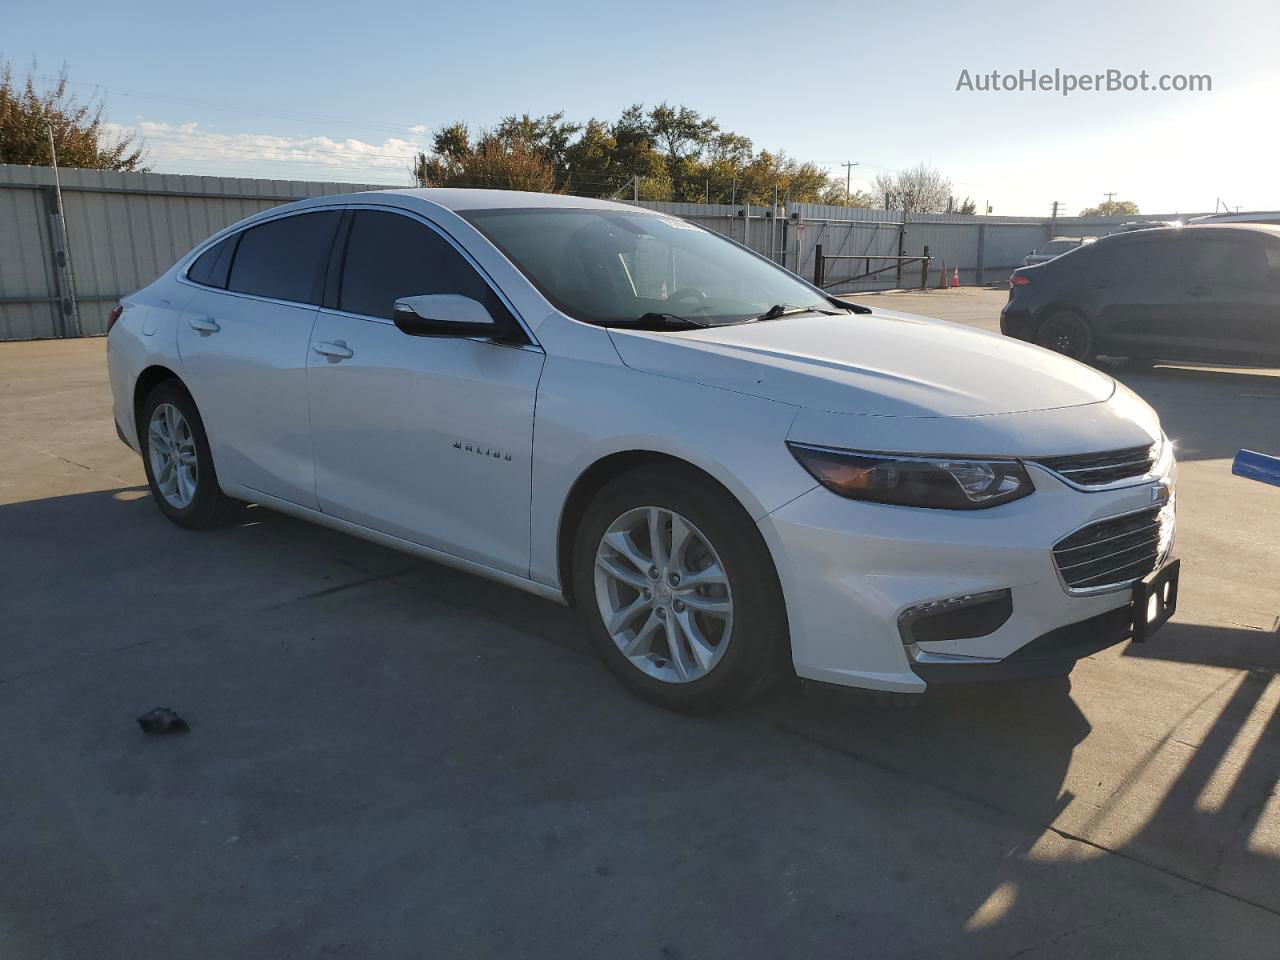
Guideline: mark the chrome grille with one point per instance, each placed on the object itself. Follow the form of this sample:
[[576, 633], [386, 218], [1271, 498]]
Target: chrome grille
[[1100, 469], [1115, 551]]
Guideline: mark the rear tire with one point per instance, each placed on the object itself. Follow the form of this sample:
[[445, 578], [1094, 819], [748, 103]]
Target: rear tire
[[179, 464], [729, 629], [1067, 333]]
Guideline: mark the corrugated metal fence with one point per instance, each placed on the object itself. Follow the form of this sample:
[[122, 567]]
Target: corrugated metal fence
[[124, 229], [984, 249]]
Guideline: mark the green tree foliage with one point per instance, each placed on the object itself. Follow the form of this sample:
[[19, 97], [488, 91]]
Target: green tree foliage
[[499, 160], [667, 152], [1111, 208], [26, 117]]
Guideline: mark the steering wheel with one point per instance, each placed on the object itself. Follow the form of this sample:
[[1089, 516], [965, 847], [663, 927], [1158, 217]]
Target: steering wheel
[[688, 293]]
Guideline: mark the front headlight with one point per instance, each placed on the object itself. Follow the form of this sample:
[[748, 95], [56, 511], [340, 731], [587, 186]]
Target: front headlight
[[944, 483]]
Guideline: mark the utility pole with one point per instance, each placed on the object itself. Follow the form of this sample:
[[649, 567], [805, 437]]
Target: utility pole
[[1053, 221], [1109, 196], [848, 178]]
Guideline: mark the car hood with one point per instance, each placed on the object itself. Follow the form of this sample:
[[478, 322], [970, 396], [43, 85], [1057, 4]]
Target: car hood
[[879, 364]]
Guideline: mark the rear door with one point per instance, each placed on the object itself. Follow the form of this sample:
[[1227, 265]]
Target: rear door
[[1233, 294], [1138, 286], [429, 439], [244, 351]]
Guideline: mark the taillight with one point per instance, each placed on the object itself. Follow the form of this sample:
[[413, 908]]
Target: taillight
[[1019, 280], [114, 315]]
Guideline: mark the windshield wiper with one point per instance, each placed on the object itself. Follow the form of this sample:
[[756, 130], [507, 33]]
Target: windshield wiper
[[657, 321], [786, 309]]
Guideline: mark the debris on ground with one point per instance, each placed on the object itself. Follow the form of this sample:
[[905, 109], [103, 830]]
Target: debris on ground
[[162, 720]]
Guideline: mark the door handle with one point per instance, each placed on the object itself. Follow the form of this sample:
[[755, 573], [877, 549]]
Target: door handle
[[205, 325], [333, 351]]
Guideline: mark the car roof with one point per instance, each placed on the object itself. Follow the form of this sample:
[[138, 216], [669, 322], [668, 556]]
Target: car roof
[[458, 199], [1136, 236]]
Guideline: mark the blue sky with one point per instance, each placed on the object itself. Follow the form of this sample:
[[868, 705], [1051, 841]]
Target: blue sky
[[336, 90]]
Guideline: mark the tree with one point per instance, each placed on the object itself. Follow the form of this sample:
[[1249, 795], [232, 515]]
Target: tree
[[450, 146], [681, 134], [834, 195], [549, 134], [667, 152], [27, 116], [496, 161], [1111, 208], [919, 189], [966, 207]]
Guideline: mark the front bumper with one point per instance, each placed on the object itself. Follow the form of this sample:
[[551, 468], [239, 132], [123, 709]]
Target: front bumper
[[1052, 654], [850, 569]]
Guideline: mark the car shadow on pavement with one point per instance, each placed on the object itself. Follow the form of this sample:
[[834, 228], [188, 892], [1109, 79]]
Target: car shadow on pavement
[[1241, 648], [385, 743]]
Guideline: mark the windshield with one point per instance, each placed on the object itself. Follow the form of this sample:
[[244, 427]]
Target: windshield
[[606, 266]]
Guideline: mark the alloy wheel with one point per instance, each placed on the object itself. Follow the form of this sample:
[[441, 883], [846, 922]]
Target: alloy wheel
[[663, 594], [171, 448]]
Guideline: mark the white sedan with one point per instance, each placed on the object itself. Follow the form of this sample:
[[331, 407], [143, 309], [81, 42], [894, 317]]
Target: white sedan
[[730, 475]]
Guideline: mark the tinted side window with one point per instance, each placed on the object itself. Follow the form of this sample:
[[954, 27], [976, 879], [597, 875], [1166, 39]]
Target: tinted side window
[[285, 258], [1146, 264], [212, 266], [390, 256], [1228, 261]]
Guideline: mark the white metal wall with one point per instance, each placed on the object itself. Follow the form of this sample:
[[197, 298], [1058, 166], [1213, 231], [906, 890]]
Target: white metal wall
[[983, 249], [124, 229]]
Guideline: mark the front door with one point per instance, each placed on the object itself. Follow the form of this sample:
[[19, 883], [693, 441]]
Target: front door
[[1233, 295], [429, 439]]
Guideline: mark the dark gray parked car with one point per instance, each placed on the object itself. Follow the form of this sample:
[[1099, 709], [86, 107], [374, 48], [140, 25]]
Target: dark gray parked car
[[1208, 293]]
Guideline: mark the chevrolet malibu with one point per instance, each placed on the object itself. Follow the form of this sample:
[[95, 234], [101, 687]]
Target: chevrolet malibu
[[729, 474]]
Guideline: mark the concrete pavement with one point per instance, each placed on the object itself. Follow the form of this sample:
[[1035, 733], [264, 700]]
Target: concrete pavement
[[391, 759]]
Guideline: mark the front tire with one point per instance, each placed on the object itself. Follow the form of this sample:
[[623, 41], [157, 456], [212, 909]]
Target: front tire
[[677, 591], [1067, 333], [179, 465]]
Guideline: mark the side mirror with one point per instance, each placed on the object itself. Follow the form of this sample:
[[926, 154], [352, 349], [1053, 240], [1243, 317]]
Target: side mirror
[[444, 315]]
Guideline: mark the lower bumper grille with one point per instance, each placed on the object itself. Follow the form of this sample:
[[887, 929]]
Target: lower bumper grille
[[1115, 551]]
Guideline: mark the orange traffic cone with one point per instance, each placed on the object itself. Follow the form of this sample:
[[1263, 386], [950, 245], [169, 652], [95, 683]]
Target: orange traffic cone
[[955, 278]]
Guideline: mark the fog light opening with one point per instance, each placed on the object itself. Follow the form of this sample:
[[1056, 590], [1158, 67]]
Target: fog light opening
[[956, 618]]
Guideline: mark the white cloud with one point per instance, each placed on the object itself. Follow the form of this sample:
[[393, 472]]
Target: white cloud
[[189, 148], [420, 128]]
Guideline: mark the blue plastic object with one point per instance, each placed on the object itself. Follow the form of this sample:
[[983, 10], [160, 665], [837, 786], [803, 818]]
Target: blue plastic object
[[1257, 466]]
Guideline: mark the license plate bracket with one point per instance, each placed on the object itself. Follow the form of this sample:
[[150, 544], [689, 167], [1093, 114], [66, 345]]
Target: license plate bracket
[[1155, 600]]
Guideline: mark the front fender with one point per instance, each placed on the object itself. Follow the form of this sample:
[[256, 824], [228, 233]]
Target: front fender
[[591, 406]]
